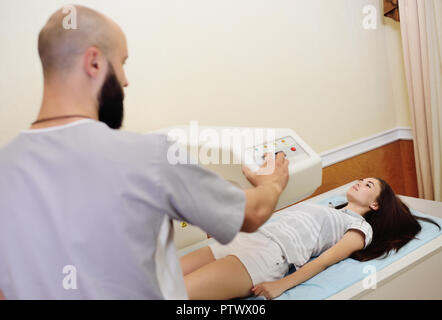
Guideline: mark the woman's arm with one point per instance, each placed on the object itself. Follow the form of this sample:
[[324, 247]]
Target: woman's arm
[[353, 240]]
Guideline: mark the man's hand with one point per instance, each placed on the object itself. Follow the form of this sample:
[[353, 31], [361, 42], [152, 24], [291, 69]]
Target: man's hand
[[278, 177]]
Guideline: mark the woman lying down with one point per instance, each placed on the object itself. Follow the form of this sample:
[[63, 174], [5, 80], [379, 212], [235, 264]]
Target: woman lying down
[[373, 222]]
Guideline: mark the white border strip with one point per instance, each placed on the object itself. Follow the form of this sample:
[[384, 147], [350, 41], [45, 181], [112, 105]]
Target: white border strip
[[364, 145]]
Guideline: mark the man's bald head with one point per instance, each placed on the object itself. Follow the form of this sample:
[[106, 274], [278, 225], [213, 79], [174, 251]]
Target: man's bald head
[[58, 46], [83, 65]]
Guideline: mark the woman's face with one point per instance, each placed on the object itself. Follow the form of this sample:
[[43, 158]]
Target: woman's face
[[365, 192]]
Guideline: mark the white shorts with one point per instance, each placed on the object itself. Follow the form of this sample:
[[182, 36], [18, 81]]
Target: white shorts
[[262, 257]]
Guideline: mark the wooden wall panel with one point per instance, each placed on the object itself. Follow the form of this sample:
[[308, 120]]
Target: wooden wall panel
[[393, 162], [409, 169]]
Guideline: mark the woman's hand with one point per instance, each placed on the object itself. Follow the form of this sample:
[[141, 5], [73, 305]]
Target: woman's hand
[[269, 290]]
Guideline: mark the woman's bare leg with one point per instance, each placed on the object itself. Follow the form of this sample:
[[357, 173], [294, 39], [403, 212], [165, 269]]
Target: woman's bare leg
[[225, 278], [196, 259]]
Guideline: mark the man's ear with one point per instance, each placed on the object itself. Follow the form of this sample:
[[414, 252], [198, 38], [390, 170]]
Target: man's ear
[[91, 62]]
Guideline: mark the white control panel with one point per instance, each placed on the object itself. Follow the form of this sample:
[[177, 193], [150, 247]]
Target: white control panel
[[292, 150], [225, 150]]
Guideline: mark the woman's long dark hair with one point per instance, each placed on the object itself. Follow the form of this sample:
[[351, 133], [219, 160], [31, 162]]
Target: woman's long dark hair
[[393, 225]]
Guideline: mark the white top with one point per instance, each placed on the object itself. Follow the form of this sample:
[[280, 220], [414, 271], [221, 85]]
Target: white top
[[306, 230], [85, 213]]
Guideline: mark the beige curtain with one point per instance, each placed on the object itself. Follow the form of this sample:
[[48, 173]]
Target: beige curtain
[[421, 29]]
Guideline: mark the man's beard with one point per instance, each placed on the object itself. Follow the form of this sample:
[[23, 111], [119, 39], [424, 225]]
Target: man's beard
[[110, 101]]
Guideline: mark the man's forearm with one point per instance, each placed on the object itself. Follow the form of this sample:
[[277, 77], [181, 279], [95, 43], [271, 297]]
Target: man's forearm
[[268, 195], [260, 204]]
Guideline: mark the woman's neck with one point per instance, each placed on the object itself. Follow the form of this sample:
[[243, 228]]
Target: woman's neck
[[356, 208]]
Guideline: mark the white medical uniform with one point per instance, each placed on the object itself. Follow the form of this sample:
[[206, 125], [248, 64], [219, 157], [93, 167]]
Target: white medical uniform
[[85, 213]]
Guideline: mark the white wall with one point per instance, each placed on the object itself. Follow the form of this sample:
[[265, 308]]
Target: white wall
[[307, 65]]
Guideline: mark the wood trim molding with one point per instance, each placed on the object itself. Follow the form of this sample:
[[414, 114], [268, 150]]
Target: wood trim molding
[[388, 155], [364, 145], [393, 162]]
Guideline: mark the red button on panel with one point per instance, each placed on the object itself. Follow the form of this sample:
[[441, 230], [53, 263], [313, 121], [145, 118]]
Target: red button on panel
[[293, 148]]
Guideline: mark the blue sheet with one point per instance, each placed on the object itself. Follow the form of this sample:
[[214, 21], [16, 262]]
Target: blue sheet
[[349, 271]]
